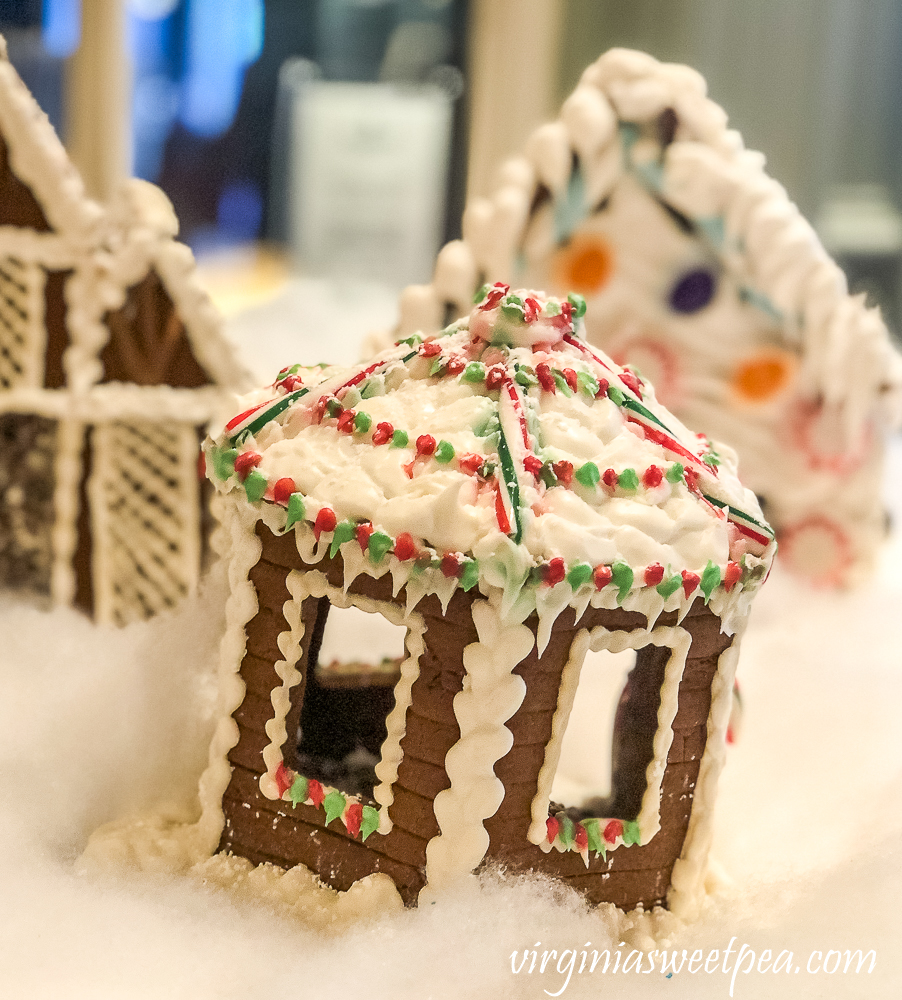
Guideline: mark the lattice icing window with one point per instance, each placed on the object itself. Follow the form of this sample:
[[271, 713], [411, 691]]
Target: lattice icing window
[[22, 336], [144, 522]]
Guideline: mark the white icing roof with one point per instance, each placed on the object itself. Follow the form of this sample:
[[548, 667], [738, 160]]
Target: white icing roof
[[501, 452]]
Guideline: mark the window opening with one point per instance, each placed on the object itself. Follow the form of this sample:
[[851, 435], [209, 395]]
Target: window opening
[[354, 664], [609, 740]]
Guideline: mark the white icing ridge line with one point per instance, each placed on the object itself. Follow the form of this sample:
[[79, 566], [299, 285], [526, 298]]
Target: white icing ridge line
[[289, 643], [491, 695], [67, 471], [678, 640], [687, 880], [241, 606]]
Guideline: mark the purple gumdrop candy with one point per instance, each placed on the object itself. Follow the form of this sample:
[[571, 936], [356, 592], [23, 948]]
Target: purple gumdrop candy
[[693, 291]]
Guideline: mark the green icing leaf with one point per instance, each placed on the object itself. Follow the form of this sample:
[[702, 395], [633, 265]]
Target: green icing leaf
[[255, 485], [478, 296], [380, 543], [298, 791], [474, 372], [470, 576], [344, 532], [622, 578], [333, 408], [296, 509], [628, 480], [579, 575], [526, 377], [334, 804], [224, 462], [511, 310], [363, 422], [666, 587], [615, 395], [437, 364], [370, 822], [399, 439], [413, 340], [552, 309], [675, 473], [587, 383], [593, 832], [588, 475], [444, 452], [565, 834], [710, 579], [631, 833], [561, 383]]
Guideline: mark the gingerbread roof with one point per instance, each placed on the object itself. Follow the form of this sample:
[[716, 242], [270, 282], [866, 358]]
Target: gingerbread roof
[[503, 453]]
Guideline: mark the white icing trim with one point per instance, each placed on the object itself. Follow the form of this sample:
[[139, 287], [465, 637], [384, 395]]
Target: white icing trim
[[239, 523], [687, 880], [491, 695], [678, 640], [67, 470], [313, 583]]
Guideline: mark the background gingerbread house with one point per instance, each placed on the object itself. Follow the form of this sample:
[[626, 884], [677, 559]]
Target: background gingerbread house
[[112, 363], [486, 529], [699, 271]]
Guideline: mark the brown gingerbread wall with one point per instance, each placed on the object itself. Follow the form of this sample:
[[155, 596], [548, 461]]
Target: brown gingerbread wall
[[264, 830]]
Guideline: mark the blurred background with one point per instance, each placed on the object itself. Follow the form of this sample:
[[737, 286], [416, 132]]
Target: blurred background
[[341, 137]]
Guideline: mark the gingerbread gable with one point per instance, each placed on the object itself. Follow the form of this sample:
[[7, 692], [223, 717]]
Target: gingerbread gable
[[698, 270], [112, 362]]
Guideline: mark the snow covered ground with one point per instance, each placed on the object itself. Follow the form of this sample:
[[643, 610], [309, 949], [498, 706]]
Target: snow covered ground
[[95, 723]]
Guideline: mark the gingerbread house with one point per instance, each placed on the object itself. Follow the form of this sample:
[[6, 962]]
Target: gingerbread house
[[514, 499], [700, 273], [112, 363]]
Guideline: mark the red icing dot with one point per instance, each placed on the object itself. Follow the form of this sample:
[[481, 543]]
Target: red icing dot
[[430, 349], [691, 477], [564, 471], [346, 421], [494, 376], [610, 478], [452, 564], [315, 792], [353, 818], [554, 571], [383, 433], [531, 310], [690, 582], [405, 547], [471, 462], [602, 576], [495, 295], [245, 462], [603, 386], [581, 837], [654, 574], [456, 365], [291, 382], [320, 410], [652, 477], [732, 576], [533, 464], [283, 489], [284, 778], [552, 826], [613, 830], [564, 319], [363, 534], [425, 444], [570, 376], [631, 381], [546, 379], [325, 521]]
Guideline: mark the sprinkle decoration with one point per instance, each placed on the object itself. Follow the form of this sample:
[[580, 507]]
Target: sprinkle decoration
[[358, 819]]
